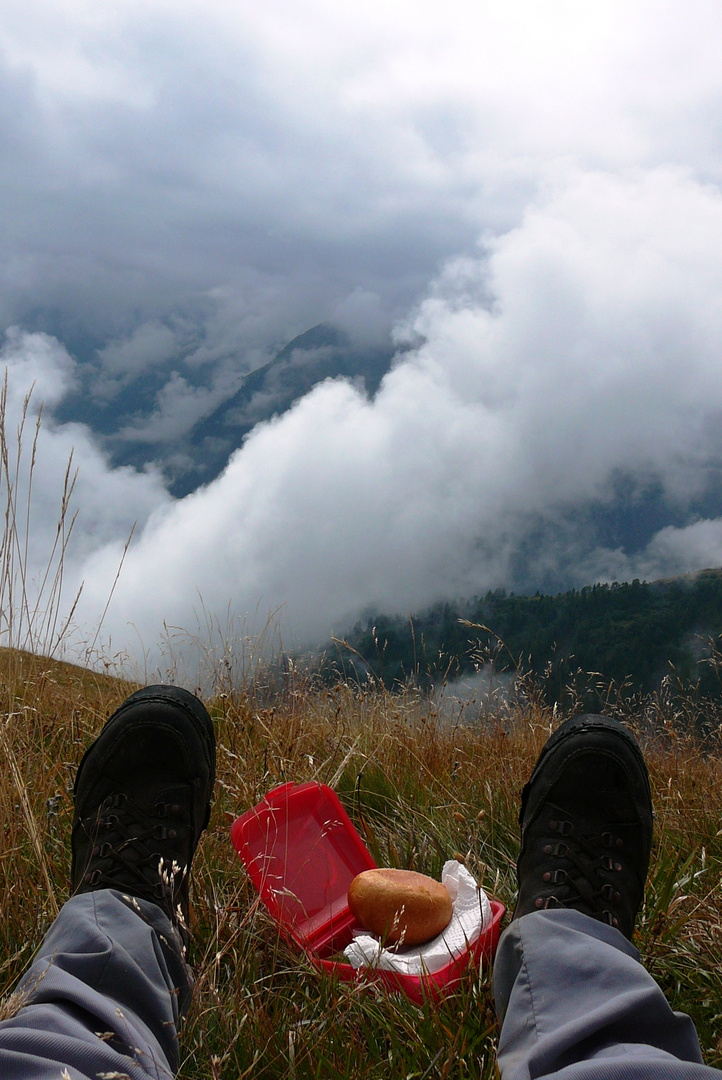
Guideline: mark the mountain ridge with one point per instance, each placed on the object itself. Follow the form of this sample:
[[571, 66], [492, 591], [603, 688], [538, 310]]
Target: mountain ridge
[[323, 352]]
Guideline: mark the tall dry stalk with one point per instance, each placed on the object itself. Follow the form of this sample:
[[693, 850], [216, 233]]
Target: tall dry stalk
[[31, 609], [35, 622]]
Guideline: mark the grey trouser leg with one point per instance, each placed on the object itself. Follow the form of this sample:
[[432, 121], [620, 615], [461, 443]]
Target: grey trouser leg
[[576, 1004], [101, 996]]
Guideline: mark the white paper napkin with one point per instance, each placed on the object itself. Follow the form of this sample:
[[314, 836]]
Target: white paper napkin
[[471, 914]]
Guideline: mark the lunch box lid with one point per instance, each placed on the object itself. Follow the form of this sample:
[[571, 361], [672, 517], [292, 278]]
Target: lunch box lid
[[302, 852]]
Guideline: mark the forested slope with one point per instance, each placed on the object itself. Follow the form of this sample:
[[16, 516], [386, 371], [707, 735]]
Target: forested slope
[[636, 632]]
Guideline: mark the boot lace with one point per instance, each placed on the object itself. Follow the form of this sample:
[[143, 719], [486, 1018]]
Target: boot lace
[[586, 882], [125, 850]]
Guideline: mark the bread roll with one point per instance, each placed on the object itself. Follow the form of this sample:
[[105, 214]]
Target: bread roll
[[400, 905]]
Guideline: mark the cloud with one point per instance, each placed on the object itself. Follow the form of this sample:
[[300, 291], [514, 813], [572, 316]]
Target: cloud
[[178, 406], [187, 186], [44, 461], [282, 157], [121, 362], [577, 348]]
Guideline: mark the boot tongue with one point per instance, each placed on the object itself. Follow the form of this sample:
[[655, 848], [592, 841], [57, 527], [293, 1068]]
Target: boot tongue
[[578, 893]]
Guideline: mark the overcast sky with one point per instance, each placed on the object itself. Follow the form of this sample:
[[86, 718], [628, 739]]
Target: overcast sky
[[526, 193]]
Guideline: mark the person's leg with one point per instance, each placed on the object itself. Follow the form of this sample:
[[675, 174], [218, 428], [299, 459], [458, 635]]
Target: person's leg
[[576, 1004], [573, 999], [104, 995], [101, 996]]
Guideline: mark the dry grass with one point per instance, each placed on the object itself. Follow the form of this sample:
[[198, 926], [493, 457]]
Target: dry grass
[[419, 789], [48, 712]]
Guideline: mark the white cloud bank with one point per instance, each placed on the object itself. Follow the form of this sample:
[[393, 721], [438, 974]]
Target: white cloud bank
[[582, 344]]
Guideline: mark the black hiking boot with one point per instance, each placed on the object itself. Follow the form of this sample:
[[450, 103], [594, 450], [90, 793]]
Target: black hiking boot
[[142, 800], [586, 824]]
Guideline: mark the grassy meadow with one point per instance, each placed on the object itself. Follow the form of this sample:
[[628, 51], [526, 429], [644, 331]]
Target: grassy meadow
[[420, 788]]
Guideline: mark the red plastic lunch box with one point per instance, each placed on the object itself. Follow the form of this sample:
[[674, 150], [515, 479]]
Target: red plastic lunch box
[[302, 853]]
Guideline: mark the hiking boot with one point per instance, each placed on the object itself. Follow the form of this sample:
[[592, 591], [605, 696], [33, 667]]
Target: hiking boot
[[586, 824], [142, 800]]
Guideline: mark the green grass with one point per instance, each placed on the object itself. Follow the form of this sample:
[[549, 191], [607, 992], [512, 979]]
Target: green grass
[[420, 790]]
